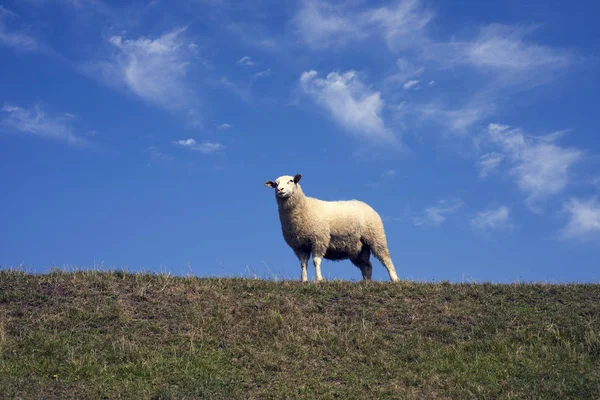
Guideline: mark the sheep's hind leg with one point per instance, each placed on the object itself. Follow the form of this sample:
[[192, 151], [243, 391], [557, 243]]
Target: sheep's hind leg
[[366, 268], [363, 263], [383, 255]]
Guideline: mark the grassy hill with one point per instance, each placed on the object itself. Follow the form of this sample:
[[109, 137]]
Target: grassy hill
[[122, 335]]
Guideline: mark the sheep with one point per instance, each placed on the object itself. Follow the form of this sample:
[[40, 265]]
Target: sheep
[[333, 230]]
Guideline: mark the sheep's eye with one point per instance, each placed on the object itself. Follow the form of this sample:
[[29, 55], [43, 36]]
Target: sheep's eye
[[291, 181]]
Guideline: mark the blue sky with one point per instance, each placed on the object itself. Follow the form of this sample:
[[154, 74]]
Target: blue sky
[[139, 134]]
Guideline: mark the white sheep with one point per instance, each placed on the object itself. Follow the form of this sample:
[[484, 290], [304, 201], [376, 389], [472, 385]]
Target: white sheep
[[334, 230]]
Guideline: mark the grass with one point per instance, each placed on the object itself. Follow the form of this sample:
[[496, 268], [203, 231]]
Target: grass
[[93, 334]]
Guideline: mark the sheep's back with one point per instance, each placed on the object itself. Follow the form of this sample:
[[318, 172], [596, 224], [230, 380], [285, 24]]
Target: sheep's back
[[346, 216]]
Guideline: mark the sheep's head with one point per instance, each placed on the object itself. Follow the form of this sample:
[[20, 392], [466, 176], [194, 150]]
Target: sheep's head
[[285, 185]]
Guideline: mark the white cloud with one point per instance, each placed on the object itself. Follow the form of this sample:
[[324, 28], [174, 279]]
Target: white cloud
[[403, 25], [431, 83], [504, 47], [225, 126], [456, 120], [436, 215], [497, 63], [38, 122], [540, 167], [154, 69], [488, 163], [504, 51], [349, 101], [5, 12], [414, 84], [254, 35], [390, 173], [186, 142], [156, 154], [14, 38], [321, 24], [193, 48], [406, 71], [204, 147], [262, 74], [242, 91], [584, 219], [247, 61], [85, 3], [208, 147], [493, 219]]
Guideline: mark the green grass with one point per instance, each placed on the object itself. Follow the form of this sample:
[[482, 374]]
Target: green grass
[[120, 335]]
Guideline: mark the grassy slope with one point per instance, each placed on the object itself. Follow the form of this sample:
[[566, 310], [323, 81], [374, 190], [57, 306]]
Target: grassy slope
[[119, 335]]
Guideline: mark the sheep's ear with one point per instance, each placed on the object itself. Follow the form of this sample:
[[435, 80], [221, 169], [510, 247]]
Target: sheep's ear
[[270, 184], [297, 178]]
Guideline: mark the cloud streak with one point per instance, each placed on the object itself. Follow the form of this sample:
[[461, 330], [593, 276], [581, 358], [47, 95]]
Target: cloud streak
[[502, 48], [247, 61], [14, 38], [204, 147], [322, 25], [492, 219], [435, 216], [37, 122]]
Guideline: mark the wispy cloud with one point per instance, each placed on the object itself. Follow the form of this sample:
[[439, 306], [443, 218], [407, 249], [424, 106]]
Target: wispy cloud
[[5, 12], [15, 38], [501, 48], [456, 120], [407, 70], [204, 147], [225, 126], [262, 74], [492, 219], [349, 102], [540, 167], [435, 216], [320, 24], [403, 25], [389, 173], [501, 60], [38, 122], [584, 218], [412, 84], [253, 34], [156, 70], [156, 154], [94, 4], [247, 61], [242, 91], [488, 163]]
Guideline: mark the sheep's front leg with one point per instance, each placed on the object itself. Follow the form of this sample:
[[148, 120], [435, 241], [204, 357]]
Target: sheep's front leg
[[318, 252], [317, 263], [303, 257]]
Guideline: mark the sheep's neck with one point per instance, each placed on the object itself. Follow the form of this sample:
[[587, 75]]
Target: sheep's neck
[[292, 204]]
